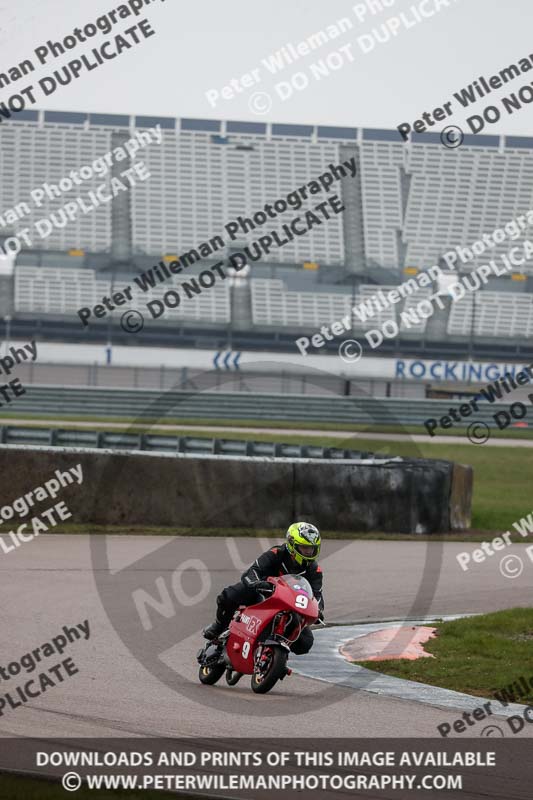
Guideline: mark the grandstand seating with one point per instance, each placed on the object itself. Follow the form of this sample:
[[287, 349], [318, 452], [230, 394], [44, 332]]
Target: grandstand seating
[[492, 314], [382, 201], [207, 185], [62, 291], [456, 196], [453, 198], [31, 156], [410, 304], [45, 290], [365, 293], [274, 305], [419, 199]]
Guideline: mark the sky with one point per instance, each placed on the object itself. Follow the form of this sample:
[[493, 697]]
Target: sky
[[200, 47]]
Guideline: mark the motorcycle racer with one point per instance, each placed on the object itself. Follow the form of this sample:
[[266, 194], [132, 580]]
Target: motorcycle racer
[[297, 556]]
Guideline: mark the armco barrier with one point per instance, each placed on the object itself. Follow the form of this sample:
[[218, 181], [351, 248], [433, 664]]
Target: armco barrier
[[127, 488], [166, 443], [57, 401]]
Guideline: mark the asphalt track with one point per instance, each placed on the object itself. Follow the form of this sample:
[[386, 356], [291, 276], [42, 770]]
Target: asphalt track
[[50, 582], [395, 437]]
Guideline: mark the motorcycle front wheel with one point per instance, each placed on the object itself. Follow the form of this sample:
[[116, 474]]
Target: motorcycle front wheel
[[272, 668], [210, 675]]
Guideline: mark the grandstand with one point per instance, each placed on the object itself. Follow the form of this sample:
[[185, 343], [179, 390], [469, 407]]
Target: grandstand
[[44, 290], [62, 291], [274, 305], [408, 205], [492, 314], [207, 172]]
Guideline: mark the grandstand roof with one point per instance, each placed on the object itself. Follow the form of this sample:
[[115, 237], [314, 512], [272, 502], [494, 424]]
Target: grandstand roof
[[260, 129]]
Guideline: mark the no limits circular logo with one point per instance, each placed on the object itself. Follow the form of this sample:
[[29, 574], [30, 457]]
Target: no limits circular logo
[[159, 603]]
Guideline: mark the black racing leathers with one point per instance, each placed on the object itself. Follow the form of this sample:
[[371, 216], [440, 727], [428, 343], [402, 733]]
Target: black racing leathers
[[274, 562], [278, 561]]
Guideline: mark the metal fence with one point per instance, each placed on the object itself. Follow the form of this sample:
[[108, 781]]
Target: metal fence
[[56, 437]]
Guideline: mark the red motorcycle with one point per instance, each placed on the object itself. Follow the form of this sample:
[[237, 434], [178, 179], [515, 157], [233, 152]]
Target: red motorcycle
[[258, 640]]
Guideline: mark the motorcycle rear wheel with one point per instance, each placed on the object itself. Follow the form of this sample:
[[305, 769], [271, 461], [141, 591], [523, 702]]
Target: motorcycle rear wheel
[[210, 675], [262, 682]]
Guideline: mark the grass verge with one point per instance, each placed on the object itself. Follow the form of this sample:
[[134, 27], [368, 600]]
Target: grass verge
[[478, 655], [161, 425]]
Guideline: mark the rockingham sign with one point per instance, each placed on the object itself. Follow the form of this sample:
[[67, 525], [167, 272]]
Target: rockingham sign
[[449, 371], [407, 369]]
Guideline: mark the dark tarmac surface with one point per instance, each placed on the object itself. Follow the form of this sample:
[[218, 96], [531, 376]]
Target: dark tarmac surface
[[137, 671]]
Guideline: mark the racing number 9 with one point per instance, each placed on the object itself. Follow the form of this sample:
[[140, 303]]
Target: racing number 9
[[245, 649], [301, 601]]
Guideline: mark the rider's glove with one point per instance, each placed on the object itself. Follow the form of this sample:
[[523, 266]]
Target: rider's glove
[[265, 587]]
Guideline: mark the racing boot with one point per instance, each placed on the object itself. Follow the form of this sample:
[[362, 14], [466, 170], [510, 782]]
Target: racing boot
[[214, 630]]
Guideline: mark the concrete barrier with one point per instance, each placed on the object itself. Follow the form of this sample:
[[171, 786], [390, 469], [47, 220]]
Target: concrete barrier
[[127, 488]]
